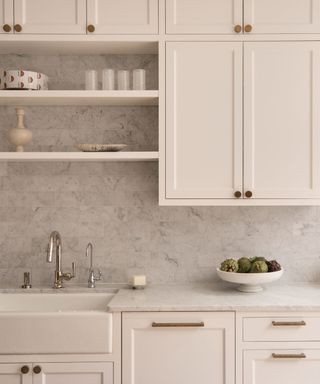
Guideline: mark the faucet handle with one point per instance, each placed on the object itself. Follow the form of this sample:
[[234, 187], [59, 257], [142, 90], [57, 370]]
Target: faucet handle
[[99, 277]]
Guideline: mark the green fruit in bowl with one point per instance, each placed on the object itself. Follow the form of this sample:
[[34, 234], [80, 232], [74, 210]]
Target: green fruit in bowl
[[257, 258], [259, 266], [229, 265], [244, 265]]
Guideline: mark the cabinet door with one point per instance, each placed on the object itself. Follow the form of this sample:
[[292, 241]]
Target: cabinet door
[[6, 16], [261, 368], [281, 132], [77, 373], [11, 374], [123, 16], [52, 17], [178, 348], [204, 120], [282, 16], [203, 16]]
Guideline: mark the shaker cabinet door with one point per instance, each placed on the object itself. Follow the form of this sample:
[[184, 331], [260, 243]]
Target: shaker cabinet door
[[282, 16], [203, 16], [203, 120], [11, 374], [6, 16], [123, 16], [282, 119], [281, 366], [73, 373], [50, 16], [178, 348]]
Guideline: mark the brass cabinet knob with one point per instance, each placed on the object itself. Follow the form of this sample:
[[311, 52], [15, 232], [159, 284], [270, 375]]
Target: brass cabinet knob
[[238, 28], [17, 28], [248, 194], [25, 369], [7, 28], [37, 369], [237, 194], [91, 28], [248, 28]]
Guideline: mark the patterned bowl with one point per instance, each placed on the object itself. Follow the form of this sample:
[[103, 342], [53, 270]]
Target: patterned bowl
[[18, 79]]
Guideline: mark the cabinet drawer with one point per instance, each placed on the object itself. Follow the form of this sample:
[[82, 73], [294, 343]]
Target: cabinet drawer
[[278, 328]]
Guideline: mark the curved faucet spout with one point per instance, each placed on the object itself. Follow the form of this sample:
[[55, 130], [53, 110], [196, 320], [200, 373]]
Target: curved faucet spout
[[56, 244]]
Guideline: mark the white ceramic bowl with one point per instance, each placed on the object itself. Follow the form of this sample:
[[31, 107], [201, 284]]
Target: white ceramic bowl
[[250, 282]]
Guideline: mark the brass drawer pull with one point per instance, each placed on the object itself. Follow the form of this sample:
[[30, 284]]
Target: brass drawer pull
[[289, 323], [237, 28], [178, 325], [248, 28], [289, 356]]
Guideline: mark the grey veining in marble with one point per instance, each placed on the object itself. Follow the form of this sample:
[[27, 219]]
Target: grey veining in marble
[[212, 297], [115, 205]]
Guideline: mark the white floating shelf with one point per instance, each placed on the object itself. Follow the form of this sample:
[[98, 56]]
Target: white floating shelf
[[61, 98], [79, 156], [78, 44]]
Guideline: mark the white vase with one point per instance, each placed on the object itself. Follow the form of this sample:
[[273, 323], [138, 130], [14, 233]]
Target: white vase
[[19, 136]]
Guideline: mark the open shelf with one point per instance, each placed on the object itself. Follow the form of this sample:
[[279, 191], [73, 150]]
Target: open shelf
[[112, 98], [79, 156], [78, 44]]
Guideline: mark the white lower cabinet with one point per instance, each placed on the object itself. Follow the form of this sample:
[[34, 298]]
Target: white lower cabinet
[[57, 373], [11, 374], [281, 366], [178, 348]]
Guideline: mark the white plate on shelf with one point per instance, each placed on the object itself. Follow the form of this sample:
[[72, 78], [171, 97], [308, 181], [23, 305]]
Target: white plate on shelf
[[250, 282], [101, 147]]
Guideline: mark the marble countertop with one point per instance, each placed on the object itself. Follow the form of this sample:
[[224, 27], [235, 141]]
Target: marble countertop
[[297, 297], [197, 297]]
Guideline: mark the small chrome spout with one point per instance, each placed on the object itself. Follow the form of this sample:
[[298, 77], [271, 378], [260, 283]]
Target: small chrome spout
[[92, 277]]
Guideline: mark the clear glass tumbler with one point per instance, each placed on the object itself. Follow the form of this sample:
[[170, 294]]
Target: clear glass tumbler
[[108, 81], [91, 80], [139, 79], [123, 80]]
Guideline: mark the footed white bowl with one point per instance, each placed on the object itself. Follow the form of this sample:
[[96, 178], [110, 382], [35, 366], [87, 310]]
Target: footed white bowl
[[250, 282]]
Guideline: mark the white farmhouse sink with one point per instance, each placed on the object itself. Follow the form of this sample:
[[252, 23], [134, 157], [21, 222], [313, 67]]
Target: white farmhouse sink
[[55, 323]]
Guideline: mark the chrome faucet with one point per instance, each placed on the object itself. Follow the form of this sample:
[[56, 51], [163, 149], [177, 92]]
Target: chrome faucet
[[92, 277], [59, 275]]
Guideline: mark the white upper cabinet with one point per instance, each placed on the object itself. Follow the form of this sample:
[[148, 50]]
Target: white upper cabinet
[[203, 16], [50, 17], [266, 367], [282, 16], [178, 348], [281, 119], [204, 120], [6, 16], [123, 16]]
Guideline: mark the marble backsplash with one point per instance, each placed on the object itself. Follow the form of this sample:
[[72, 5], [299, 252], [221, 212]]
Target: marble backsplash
[[115, 205]]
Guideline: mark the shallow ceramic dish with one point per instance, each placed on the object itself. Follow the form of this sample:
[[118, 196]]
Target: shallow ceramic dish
[[101, 147], [250, 282]]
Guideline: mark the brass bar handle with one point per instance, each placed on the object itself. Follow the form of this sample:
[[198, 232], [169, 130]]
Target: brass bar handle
[[289, 356], [178, 325], [289, 323]]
